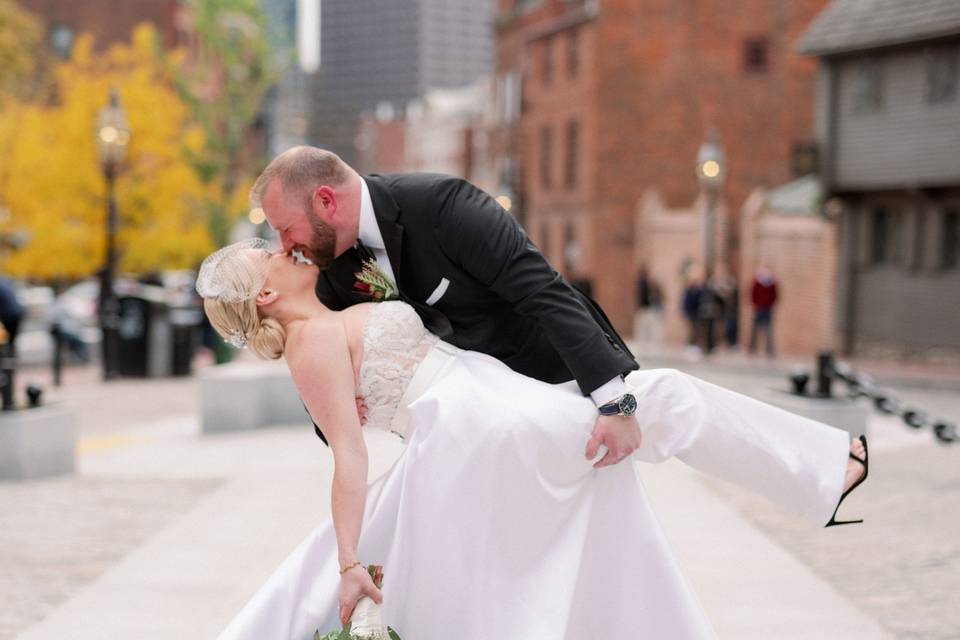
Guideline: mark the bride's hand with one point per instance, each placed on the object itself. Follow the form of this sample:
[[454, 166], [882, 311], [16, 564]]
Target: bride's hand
[[354, 584]]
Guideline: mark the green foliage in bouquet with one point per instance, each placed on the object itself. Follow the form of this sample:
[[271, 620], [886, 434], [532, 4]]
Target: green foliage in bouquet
[[344, 634]]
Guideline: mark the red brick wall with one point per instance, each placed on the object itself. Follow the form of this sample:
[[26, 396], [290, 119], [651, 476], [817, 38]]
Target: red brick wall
[[109, 21], [800, 249], [665, 240], [802, 252]]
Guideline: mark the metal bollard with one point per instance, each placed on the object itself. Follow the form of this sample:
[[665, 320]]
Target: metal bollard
[[57, 336], [7, 367], [862, 385], [825, 373]]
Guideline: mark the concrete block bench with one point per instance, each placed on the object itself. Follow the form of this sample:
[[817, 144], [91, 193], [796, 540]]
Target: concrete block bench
[[249, 395], [37, 442], [840, 412]]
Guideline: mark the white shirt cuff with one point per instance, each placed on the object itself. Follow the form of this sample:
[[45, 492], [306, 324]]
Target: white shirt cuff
[[611, 390]]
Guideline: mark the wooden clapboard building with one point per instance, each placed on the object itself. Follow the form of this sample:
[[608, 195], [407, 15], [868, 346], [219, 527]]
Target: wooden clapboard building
[[888, 124]]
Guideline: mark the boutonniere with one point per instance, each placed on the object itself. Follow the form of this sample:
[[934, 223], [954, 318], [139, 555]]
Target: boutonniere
[[373, 282]]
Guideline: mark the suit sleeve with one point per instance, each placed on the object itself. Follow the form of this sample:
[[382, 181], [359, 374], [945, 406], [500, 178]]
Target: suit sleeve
[[486, 242]]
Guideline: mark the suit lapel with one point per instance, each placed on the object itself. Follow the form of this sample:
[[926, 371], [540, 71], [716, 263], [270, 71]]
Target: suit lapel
[[387, 212], [334, 285]]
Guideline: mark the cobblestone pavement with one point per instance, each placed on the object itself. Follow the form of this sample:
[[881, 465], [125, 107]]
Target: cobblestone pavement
[[902, 566], [57, 535]]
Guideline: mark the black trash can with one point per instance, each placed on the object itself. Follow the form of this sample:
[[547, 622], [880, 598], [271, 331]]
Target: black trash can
[[133, 335], [186, 325]]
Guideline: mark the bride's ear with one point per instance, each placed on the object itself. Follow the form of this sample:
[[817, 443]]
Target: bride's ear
[[267, 296]]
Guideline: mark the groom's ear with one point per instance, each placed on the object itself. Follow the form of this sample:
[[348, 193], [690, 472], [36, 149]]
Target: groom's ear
[[266, 297], [324, 203]]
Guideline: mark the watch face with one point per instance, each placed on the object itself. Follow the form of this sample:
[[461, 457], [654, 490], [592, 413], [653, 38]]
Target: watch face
[[628, 404]]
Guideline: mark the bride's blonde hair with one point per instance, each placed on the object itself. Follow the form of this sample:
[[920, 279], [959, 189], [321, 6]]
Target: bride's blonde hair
[[242, 320]]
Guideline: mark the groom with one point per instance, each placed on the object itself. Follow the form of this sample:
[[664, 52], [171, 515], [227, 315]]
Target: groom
[[463, 263]]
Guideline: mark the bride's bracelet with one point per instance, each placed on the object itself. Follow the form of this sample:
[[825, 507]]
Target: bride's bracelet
[[345, 569]]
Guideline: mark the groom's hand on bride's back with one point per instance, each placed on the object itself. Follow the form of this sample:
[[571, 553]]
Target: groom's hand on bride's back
[[619, 434], [362, 410]]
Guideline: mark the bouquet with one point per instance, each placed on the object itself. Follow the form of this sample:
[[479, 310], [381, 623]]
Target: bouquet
[[365, 623]]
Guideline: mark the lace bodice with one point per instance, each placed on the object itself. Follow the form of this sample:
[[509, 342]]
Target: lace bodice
[[394, 343]]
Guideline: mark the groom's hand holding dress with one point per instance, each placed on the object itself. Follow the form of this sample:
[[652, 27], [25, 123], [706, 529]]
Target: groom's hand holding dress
[[619, 434]]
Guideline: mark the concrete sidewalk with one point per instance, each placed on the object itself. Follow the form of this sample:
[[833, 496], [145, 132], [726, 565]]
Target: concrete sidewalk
[[191, 577]]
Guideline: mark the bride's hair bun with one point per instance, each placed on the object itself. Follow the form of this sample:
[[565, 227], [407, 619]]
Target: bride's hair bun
[[267, 342], [240, 322]]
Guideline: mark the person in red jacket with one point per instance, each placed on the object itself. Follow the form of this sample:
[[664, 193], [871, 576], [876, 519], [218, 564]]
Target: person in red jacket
[[763, 293]]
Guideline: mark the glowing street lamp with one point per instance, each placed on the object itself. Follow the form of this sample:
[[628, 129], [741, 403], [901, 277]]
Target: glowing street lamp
[[711, 172], [112, 137]]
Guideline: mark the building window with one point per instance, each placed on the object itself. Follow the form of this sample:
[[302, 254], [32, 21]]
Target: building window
[[573, 154], [756, 55], [943, 73], [883, 236], [546, 68], [546, 156], [867, 86], [573, 53], [950, 238], [61, 38], [804, 158], [510, 93]]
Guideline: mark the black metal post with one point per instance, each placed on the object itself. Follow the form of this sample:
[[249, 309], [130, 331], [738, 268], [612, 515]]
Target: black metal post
[[108, 311], [57, 336], [7, 367], [825, 373]]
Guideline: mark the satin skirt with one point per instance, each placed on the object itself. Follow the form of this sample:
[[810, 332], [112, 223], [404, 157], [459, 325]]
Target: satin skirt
[[493, 525]]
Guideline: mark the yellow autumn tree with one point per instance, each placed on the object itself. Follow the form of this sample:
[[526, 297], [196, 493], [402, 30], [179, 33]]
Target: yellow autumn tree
[[55, 190]]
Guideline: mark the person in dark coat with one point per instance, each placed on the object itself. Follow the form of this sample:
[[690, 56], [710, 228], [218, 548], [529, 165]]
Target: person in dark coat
[[11, 313]]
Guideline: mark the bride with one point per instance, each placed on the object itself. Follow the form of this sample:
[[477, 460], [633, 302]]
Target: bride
[[494, 522]]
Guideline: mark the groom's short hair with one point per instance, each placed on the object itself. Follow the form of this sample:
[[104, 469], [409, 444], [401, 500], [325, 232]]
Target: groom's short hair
[[300, 170]]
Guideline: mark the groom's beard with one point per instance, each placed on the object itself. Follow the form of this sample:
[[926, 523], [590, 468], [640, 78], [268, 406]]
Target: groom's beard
[[323, 242]]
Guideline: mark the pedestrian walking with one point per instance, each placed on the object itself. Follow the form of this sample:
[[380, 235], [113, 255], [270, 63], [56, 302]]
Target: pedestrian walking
[[648, 322], [709, 313], [11, 313], [726, 291], [692, 294], [763, 294]]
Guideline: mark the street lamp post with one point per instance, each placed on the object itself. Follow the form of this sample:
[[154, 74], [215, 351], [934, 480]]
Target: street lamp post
[[113, 134], [711, 171]]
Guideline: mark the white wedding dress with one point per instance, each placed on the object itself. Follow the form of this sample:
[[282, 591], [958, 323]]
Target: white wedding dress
[[492, 524]]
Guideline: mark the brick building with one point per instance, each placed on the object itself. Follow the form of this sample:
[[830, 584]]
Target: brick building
[[109, 21], [601, 99]]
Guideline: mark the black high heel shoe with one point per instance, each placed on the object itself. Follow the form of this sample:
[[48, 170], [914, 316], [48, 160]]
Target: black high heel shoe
[[866, 468]]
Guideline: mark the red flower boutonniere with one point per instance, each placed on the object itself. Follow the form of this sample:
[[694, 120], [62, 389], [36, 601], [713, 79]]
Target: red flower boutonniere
[[373, 282]]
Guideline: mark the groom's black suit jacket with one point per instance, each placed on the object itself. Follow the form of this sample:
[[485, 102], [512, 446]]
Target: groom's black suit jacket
[[504, 298]]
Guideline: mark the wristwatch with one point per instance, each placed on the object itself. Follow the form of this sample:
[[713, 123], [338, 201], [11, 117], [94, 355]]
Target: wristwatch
[[625, 405]]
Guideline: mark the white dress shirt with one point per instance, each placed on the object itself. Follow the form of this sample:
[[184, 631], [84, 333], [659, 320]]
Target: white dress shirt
[[370, 234]]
